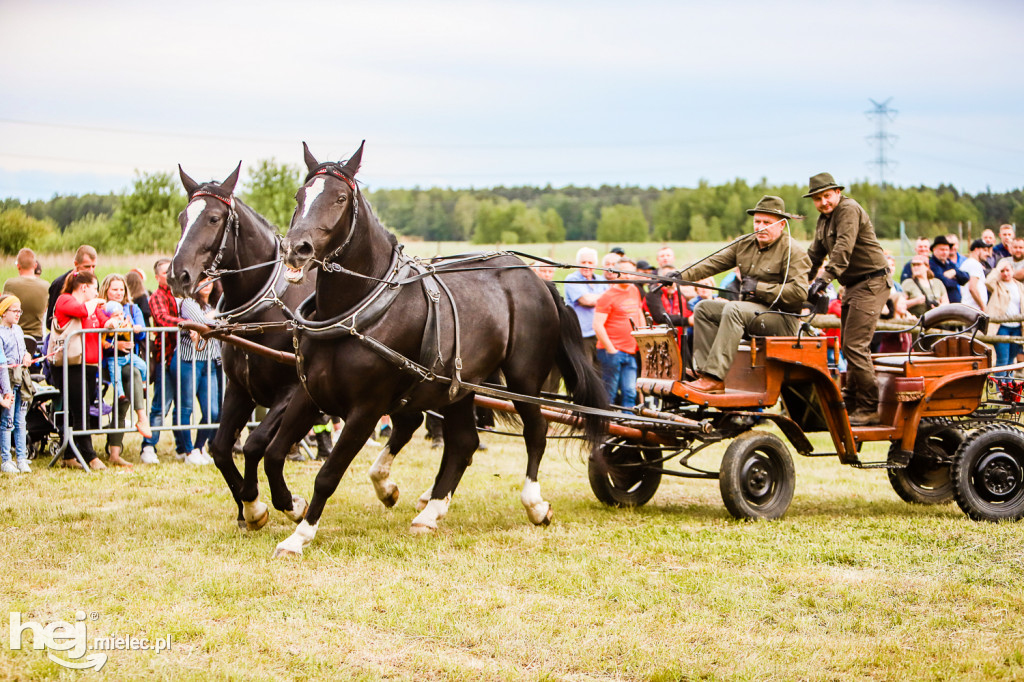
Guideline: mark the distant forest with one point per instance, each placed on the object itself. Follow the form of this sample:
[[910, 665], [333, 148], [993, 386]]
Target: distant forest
[[144, 219]]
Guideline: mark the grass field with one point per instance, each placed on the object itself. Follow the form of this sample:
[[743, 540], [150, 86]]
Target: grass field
[[851, 584]]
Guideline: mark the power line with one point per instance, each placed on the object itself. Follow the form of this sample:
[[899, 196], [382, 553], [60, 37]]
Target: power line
[[881, 139]]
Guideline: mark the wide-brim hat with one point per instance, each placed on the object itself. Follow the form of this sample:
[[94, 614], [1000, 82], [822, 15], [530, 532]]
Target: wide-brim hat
[[771, 205], [820, 183], [940, 241]]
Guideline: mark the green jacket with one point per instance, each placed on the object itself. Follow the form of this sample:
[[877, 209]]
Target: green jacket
[[768, 266], [847, 238]]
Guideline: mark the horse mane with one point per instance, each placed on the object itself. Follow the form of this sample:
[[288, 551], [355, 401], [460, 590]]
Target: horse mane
[[372, 216], [257, 217]]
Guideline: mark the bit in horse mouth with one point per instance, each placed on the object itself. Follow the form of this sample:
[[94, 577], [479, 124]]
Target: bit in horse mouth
[[294, 275]]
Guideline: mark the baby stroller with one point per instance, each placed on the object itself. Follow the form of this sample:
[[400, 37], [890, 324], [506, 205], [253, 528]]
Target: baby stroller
[[43, 433]]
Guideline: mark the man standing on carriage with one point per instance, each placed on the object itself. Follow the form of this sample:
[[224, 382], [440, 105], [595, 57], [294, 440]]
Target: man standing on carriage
[[773, 288], [845, 236]]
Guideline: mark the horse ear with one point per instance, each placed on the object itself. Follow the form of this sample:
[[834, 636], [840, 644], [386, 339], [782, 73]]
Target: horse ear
[[311, 162], [190, 185], [229, 182], [352, 165]]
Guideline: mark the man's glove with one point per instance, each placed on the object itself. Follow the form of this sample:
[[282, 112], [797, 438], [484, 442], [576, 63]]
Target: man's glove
[[748, 289], [816, 291]]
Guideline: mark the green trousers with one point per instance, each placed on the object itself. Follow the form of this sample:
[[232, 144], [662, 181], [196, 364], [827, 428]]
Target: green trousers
[[862, 306], [718, 328]]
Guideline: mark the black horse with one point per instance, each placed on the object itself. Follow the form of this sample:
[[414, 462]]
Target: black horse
[[222, 235], [383, 335]]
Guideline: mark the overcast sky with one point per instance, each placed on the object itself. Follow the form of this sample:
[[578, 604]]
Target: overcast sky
[[477, 94]]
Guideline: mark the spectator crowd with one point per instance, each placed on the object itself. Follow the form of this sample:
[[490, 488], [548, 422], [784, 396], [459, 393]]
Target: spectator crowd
[[611, 295]]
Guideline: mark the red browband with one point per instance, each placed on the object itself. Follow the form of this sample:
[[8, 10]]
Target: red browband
[[204, 193], [341, 176]]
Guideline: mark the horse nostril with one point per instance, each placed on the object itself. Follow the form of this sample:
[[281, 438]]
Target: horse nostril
[[184, 278], [303, 249]]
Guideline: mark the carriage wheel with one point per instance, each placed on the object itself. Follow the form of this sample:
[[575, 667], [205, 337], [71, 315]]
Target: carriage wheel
[[628, 483], [757, 478], [927, 479], [988, 474]]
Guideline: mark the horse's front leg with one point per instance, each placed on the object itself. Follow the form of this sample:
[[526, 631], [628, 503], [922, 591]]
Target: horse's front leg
[[460, 442], [403, 427], [270, 427], [358, 428], [297, 415], [234, 414]]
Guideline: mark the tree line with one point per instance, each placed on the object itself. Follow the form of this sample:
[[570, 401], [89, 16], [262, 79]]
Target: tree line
[[144, 218]]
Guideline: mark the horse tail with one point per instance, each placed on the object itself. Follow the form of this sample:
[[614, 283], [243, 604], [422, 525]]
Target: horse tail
[[581, 377]]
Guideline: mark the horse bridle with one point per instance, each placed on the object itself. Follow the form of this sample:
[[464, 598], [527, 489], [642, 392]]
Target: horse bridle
[[333, 169], [230, 229]]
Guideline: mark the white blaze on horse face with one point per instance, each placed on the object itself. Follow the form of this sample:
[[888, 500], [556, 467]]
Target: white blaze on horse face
[[310, 195], [192, 213]]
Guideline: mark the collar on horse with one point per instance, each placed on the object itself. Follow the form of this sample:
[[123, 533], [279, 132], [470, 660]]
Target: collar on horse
[[353, 322], [268, 295], [333, 169]]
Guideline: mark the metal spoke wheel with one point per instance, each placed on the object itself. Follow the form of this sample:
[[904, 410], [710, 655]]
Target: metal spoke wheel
[[757, 479], [988, 474], [928, 477], [624, 480]]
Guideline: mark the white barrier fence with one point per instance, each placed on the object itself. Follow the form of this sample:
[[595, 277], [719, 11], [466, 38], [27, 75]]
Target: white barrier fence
[[91, 405]]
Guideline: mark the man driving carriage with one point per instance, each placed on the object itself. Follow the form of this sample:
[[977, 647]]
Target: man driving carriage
[[773, 271]]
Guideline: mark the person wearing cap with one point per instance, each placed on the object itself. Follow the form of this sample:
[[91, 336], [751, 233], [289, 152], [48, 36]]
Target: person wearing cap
[[845, 237], [773, 270], [619, 251], [975, 293], [946, 270]]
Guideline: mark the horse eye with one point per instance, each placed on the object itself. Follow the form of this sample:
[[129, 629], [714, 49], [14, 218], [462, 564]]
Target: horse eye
[[342, 199]]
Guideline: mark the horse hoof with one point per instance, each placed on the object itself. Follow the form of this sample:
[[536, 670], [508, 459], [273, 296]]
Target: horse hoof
[[421, 529], [241, 524], [283, 553], [258, 523], [543, 520], [391, 499], [298, 510]]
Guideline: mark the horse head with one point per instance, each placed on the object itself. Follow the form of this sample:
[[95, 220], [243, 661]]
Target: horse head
[[325, 214], [205, 222]]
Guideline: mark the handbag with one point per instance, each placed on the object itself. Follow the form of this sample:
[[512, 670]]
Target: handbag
[[59, 345]]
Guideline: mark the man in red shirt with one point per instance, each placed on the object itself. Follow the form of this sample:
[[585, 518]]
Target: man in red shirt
[[164, 308], [617, 313]]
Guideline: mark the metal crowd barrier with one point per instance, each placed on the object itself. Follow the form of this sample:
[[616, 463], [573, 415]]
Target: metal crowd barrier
[[106, 395]]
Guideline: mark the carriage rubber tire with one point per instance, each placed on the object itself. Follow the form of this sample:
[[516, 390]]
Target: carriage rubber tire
[[757, 478], [988, 473], [629, 487], [923, 481]]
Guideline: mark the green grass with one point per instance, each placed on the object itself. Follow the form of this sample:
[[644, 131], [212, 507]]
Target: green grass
[[851, 584]]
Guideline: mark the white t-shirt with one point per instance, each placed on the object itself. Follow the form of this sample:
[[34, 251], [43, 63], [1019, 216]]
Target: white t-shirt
[[974, 269]]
